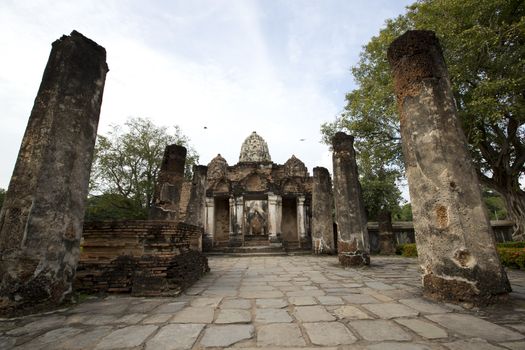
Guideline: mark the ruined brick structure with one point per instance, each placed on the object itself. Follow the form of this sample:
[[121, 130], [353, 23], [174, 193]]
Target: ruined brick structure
[[257, 200], [322, 207], [150, 258], [455, 242], [42, 216]]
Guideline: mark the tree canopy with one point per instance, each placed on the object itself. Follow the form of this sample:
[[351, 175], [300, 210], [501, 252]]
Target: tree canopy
[[125, 167], [484, 45]]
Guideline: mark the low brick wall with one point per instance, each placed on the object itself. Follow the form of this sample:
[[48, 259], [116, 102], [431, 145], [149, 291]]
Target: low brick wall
[[153, 258]]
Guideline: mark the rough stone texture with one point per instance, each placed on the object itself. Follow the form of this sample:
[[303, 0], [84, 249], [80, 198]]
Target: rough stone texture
[[127, 337], [279, 334], [88, 323], [475, 327], [353, 246], [272, 316], [329, 333], [314, 313], [254, 149], [150, 258], [387, 238], [391, 310], [233, 316], [454, 238], [166, 198], [175, 337], [220, 336], [194, 315], [197, 204], [42, 215], [322, 206]]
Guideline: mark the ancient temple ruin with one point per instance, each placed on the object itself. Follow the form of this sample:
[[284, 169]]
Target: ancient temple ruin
[[257, 201]]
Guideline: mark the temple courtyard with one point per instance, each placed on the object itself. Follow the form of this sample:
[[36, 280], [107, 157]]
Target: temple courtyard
[[281, 302]]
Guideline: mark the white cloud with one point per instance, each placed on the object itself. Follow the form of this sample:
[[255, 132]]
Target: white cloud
[[280, 68]]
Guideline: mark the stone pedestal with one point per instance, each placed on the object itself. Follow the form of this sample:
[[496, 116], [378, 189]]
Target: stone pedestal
[[353, 244], [196, 211], [455, 244], [387, 238], [322, 205], [275, 211], [169, 185], [209, 230], [43, 212]]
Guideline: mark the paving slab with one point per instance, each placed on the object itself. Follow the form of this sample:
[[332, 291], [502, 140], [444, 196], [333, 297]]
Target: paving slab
[[84, 340], [402, 346], [272, 316], [236, 304], [390, 310], [169, 308], [49, 339], [424, 306], [351, 313], [206, 302], [472, 344], [194, 315], [221, 336], [330, 300], [423, 328], [279, 334], [379, 330], [360, 299], [127, 337], [315, 313], [175, 337], [271, 303], [233, 316], [303, 301], [474, 327], [329, 333]]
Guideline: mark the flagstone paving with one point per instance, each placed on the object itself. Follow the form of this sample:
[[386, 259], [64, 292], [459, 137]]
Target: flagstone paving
[[294, 302]]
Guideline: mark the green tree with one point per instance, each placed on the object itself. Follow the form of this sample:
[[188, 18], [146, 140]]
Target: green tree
[[125, 168], [484, 44]]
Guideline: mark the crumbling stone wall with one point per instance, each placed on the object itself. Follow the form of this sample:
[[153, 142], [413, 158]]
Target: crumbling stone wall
[[353, 246], [455, 243], [41, 219], [150, 258], [387, 239]]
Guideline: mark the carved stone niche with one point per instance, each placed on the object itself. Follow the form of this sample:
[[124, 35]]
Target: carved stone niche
[[254, 183], [292, 186], [294, 167], [217, 168]]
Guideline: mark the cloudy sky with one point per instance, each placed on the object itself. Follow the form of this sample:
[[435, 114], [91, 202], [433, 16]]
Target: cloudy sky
[[280, 68]]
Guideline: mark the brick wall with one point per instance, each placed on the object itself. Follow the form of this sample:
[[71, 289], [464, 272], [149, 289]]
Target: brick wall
[[142, 257]]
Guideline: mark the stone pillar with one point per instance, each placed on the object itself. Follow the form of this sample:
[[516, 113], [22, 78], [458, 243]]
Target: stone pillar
[[209, 231], [353, 243], [454, 239], [275, 212], [236, 221], [196, 211], [43, 212], [169, 185], [322, 205], [301, 228], [387, 237]]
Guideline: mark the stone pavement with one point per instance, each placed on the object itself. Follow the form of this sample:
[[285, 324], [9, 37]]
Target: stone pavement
[[282, 302]]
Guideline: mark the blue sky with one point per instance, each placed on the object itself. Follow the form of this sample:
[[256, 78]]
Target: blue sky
[[280, 68]]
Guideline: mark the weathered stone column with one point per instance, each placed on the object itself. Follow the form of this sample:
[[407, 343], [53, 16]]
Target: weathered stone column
[[169, 185], [353, 245], [209, 231], [454, 239], [301, 228], [237, 219], [274, 219], [196, 211], [322, 205], [387, 238], [43, 212], [195, 214]]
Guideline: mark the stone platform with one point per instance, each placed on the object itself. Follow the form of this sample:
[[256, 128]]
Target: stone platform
[[282, 302]]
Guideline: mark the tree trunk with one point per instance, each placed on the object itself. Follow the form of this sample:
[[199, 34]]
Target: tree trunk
[[515, 203]]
